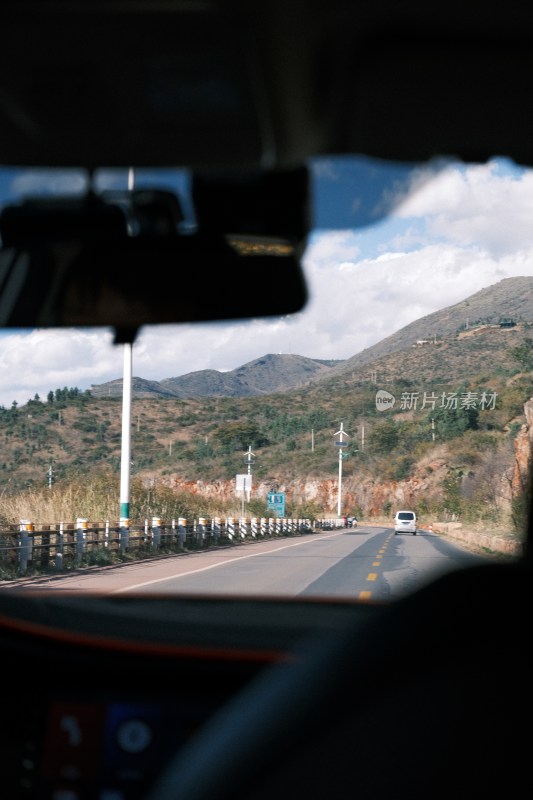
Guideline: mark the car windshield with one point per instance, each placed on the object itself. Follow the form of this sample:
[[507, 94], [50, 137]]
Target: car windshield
[[406, 379], [266, 398]]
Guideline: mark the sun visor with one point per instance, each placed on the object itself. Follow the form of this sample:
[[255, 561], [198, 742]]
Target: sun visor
[[114, 84], [416, 97]]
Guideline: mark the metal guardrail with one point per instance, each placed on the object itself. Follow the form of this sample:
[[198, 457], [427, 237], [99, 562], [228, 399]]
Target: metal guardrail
[[57, 547]]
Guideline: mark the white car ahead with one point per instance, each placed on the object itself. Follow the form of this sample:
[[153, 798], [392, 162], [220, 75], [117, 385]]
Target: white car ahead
[[405, 521]]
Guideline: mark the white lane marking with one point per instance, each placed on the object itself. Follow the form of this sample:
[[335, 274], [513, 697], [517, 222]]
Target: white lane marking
[[220, 564]]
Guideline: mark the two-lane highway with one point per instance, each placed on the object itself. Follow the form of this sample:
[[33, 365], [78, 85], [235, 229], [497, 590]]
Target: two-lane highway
[[369, 563]]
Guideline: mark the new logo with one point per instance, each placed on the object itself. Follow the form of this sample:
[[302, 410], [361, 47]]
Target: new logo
[[384, 400]]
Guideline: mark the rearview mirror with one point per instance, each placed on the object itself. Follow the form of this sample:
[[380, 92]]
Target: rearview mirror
[[94, 263]]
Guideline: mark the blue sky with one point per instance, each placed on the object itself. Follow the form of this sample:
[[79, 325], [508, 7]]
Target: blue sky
[[451, 230]]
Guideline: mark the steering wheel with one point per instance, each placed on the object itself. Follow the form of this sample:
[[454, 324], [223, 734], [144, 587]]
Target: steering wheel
[[425, 697]]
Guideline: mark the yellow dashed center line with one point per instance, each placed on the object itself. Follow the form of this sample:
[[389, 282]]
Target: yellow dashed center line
[[373, 576]]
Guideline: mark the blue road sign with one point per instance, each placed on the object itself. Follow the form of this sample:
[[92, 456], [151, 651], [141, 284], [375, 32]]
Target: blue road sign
[[276, 504]]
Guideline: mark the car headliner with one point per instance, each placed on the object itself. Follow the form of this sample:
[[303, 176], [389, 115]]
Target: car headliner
[[269, 83]]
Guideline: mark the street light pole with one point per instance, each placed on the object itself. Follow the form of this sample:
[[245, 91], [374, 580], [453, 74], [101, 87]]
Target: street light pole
[[340, 444], [249, 457], [246, 480], [125, 458], [339, 500], [126, 439]]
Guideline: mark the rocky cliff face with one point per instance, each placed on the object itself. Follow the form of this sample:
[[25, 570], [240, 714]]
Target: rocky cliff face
[[370, 496]]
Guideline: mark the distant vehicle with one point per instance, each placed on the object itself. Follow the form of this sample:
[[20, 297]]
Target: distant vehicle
[[351, 522], [405, 522]]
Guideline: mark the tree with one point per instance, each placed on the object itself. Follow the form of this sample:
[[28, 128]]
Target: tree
[[384, 436], [452, 422], [239, 435], [452, 495], [524, 354]]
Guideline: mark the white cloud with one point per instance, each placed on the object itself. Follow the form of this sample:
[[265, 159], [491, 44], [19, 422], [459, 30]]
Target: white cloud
[[39, 361], [485, 204]]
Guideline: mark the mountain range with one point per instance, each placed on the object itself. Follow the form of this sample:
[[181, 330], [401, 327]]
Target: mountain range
[[189, 433], [493, 310]]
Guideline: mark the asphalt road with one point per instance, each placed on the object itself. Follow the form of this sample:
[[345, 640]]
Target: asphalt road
[[363, 563]]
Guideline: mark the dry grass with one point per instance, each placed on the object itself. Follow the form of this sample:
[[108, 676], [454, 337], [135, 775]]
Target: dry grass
[[98, 499], [91, 500]]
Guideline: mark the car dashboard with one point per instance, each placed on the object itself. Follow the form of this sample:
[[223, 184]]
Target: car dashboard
[[225, 698], [93, 714]]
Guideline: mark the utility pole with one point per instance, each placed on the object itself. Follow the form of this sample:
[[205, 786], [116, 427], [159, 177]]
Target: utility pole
[[244, 482], [249, 457], [340, 443]]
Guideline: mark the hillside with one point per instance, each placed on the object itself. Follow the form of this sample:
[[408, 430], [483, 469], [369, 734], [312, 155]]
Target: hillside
[[481, 313], [510, 299], [287, 409], [271, 373]]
